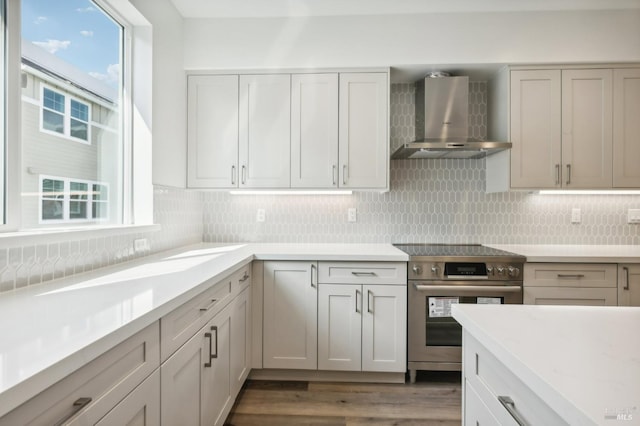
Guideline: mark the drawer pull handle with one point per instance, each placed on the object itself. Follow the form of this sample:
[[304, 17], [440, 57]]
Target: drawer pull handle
[[626, 271], [213, 356], [213, 302], [244, 278], [363, 274], [208, 336], [576, 276], [510, 406], [78, 405]]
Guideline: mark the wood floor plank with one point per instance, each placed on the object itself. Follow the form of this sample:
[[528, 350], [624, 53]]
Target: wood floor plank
[[236, 419]]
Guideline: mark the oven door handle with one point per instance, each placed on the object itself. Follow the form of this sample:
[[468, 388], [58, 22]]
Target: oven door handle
[[452, 290]]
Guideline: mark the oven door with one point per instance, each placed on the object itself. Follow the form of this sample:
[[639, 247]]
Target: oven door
[[434, 337]]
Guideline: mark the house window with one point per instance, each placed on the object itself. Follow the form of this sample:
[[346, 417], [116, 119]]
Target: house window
[[64, 115], [67, 200], [73, 90]]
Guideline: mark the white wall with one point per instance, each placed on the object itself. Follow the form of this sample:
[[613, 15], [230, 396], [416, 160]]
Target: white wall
[[169, 93], [451, 38]]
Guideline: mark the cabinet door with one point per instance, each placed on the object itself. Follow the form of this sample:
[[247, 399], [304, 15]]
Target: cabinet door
[[626, 128], [339, 327], [384, 330], [240, 341], [216, 395], [183, 383], [290, 315], [475, 412], [629, 285], [535, 129], [265, 105], [314, 130], [140, 408], [587, 128], [212, 136], [363, 136], [579, 296]]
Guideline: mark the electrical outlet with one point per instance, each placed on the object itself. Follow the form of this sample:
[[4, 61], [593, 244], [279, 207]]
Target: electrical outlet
[[260, 215], [576, 215], [633, 216], [352, 215], [141, 244]]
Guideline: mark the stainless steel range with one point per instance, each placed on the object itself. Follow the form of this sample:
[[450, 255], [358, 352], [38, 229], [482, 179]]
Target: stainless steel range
[[441, 275]]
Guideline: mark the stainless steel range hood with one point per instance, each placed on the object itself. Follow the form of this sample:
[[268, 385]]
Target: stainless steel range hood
[[442, 123]]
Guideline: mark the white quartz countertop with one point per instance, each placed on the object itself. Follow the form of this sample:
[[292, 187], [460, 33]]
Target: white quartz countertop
[[574, 252], [49, 330], [584, 362]]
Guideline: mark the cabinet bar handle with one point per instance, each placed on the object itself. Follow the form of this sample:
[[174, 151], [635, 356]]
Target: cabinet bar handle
[[313, 267], [244, 277], [333, 174], [363, 274], [557, 174], [510, 406], [626, 271], [214, 328], [77, 406], [576, 276], [208, 336], [357, 292], [369, 303], [344, 174], [233, 175], [243, 174], [568, 174], [213, 302]]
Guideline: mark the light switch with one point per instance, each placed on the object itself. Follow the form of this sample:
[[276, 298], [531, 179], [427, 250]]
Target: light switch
[[352, 214], [260, 215], [576, 215], [633, 216]]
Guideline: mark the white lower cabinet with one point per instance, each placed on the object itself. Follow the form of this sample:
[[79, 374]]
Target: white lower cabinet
[[629, 285], [290, 315], [140, 408], [362, 327], [476, 413]]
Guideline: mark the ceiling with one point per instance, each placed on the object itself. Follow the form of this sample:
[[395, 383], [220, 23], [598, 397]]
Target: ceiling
[[289, 8]]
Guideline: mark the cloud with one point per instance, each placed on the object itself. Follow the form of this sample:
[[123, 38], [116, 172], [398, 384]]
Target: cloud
[[52, 46], [86, 33], [86, 9], [112, 74], [40, 19]]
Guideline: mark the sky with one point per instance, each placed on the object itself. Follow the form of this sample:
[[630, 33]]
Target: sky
[[76, 31]]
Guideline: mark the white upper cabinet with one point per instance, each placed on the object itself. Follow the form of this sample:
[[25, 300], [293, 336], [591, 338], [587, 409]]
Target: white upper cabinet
[[626, 128], [575, 128], [314, 130], [587, 131], [265, 114], [212, 141], [363, 136], [535, 129]]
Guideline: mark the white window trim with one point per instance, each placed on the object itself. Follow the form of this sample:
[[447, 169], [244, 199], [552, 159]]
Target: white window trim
[[66, 201], [66, 115], [138, 204]]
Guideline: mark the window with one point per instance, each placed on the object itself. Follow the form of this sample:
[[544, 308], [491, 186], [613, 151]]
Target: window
[[72, 90], [67, 200]]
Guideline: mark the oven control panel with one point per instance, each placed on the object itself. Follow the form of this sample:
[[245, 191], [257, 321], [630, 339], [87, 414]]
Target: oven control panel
[[465, 271]]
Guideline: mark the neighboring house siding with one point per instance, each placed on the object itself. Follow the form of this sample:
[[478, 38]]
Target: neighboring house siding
[[49, 154]]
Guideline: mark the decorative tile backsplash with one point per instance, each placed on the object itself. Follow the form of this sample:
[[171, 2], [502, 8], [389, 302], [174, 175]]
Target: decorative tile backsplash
[[430, 201]]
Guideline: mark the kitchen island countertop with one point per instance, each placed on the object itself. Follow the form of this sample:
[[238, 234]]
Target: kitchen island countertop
[[582, 361]]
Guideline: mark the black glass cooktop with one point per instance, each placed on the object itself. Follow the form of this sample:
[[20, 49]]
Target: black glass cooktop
[[453, 250]]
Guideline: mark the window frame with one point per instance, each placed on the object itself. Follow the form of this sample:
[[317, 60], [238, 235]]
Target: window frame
[[67, 200], [66, 114]]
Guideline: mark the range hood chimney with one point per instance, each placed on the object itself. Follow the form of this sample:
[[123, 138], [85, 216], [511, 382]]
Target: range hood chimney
[[442, 122]]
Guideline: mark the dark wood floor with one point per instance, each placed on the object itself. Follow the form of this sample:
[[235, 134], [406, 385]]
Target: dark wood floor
[[434, 400]]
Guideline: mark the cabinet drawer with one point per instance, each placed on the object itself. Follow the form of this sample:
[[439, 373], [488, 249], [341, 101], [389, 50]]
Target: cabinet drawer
[[491, 379], [107, 380], [570, 275], [181, 324], [588, 296], [362, 273]]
